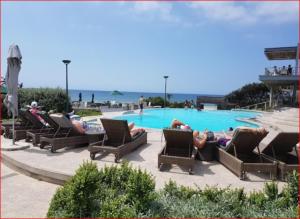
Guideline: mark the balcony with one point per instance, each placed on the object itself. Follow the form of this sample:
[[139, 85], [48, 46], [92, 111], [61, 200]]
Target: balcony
[[280, 76]]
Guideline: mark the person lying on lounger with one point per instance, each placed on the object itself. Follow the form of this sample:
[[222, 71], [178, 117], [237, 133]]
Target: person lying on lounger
[[34, 109], [134, 131], [82, 127], [224, 141], [198, 142]]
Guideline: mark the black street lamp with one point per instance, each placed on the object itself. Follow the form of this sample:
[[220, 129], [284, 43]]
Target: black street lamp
[[66, 62], [165, 77]]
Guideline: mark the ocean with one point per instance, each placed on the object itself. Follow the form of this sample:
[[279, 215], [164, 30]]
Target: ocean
[[129, 97]]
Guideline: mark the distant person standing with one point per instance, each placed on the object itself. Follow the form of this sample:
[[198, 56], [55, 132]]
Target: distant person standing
[[93, 96], [80, 97], [289, 70], [192, 104], [186, 104], [141, 103], [276, 72]]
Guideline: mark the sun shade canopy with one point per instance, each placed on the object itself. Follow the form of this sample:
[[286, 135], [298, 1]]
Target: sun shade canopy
[[281, 53]]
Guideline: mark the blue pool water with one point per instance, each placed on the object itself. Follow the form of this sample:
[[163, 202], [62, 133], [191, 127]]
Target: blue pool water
[[215, 120]]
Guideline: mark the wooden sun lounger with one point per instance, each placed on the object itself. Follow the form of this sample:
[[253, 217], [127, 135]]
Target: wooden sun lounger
[[117, 140], [179, 149], [20, 132], [70, 138], [240, 158], [281, 149], [21, 123], [55, 131]]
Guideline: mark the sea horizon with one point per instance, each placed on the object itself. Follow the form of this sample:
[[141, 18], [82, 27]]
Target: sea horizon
[[131, 96]]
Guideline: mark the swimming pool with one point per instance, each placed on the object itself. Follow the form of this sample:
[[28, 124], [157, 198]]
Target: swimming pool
[[214, 120]]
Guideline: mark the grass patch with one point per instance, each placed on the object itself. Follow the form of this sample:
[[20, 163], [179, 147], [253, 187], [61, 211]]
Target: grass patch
[[88, 112]]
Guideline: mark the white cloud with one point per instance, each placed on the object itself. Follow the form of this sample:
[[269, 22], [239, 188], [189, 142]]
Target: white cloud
[[248, 13], [223, 11], [154, 10], [278, 12]]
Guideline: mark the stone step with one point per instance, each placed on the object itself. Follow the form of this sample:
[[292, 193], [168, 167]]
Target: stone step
[[278, 118], [287, 124], [281, 121], [286, 114]]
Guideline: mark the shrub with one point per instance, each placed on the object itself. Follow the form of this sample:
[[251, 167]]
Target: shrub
[[248, 94], [78, 197], [171, 189], [179, 201], [48, 98], [117, 192], [116, 207], [271, 190], [137, 185], [111, 192], [257, 198], [290, 191], [157, 101], [177, 105]]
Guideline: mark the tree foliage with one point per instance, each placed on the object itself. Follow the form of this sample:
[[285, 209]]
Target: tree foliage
[[248, 94], [49, 98]]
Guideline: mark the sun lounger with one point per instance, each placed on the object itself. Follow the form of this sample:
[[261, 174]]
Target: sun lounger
[[281, 149], [117, 140], [21, 123], [70, 138], [239, 155], [179, 149], [55, 130], [20, 131]]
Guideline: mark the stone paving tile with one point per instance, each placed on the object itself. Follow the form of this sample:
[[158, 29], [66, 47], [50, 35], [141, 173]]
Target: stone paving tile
[[23, 196]]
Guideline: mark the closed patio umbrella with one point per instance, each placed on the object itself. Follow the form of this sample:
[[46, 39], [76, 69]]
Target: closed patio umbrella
[[13, 68]]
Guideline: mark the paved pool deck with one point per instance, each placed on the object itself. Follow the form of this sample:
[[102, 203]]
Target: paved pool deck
[[23, 196], [67, 160]]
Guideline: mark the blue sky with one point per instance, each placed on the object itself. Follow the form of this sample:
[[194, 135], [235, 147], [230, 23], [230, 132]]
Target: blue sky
[[205, 48]]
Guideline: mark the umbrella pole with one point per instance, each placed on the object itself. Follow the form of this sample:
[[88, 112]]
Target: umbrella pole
[[13, 127]]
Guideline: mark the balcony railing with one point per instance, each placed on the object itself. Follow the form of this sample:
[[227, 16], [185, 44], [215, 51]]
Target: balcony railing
[[280, 71]]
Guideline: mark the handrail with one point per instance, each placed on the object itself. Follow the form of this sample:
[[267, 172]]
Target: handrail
[[255, 106], [272, 71]]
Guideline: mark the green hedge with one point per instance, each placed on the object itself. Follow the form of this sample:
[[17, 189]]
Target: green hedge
[[118, 192], [49, 98], [157, 101], [179, 201], [110, 192]]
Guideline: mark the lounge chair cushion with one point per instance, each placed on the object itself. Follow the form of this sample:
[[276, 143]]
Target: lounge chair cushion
[[179, 142], [245, 140], [117, 131], [61, 120]]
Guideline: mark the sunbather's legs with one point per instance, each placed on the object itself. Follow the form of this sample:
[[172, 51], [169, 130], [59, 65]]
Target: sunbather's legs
[[199, 143], [134, 131], [131, 126]]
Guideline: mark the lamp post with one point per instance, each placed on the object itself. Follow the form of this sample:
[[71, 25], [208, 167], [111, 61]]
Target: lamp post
[[66, 62], [165, 77]]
